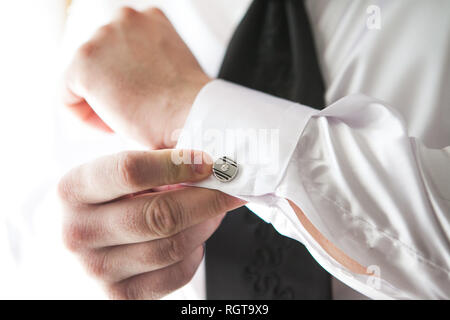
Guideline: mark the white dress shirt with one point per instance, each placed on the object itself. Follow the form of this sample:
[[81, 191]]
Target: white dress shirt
[[370, 171]]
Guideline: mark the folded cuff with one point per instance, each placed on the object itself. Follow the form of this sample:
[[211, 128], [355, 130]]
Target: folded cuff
[[257, 130]]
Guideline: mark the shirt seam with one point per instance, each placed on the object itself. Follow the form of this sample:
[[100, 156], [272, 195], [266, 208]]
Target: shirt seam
[[420, 257]]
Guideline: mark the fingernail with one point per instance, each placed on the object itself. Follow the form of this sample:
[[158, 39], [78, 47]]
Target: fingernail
[[202, 163], [199, 168]]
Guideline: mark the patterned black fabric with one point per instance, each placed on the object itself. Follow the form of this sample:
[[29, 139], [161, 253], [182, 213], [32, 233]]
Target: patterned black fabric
[[272, 51]]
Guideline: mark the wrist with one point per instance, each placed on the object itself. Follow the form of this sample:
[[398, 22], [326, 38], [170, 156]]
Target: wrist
[[180, 104]]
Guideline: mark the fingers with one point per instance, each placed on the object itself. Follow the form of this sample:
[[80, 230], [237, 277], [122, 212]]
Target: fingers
[[118, 263], [156, 284], [153, 11], [145, 218], [111, 177], [83, 111]]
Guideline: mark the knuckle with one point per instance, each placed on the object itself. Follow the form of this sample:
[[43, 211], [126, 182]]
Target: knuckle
[[175, 248], [75, 237], [67, 188], [87, 50], [126, 291], [128, 170], [156, 11], [150, 256], [114, 292], [154, 255], [97, 266], [64, 189], [127, 13], [118, 292], [186, 273], [162, 216], [105, 30]]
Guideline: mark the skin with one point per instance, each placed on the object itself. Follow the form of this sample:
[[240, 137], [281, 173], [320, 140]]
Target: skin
[[135, 76], [141, 240], [133, 226]]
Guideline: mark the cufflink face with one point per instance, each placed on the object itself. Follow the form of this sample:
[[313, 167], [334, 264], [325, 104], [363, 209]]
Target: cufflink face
[[225, 169]]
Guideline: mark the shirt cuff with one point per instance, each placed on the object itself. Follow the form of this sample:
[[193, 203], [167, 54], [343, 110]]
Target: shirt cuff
[[257, 130]]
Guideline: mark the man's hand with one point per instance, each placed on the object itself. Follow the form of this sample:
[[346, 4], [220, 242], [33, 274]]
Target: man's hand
[[135, 76], [141, 238]]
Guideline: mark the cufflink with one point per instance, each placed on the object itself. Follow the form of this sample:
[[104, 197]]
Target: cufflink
[[225, 169]]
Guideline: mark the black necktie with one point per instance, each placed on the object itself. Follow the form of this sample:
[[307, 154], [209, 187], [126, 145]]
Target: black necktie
[[272, 50]]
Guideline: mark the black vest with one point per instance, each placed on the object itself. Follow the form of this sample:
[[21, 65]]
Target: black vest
[[272, 51]]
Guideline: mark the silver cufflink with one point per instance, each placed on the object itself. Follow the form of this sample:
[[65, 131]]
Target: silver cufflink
[[225, 169]]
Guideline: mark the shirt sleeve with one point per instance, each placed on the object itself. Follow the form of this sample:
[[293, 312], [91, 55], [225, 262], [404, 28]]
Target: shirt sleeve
[[380, 196]]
